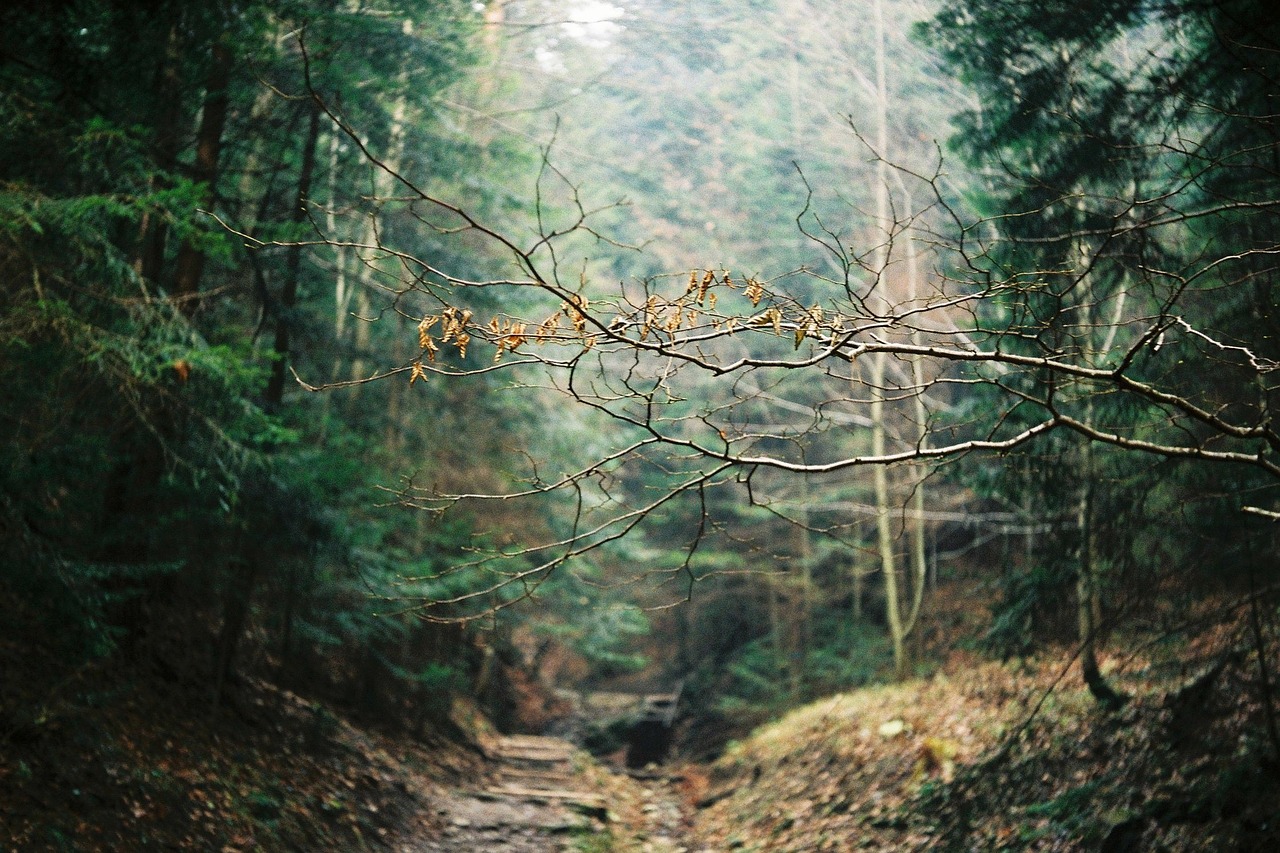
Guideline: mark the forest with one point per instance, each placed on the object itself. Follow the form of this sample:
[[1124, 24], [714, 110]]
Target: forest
[[639, 425]]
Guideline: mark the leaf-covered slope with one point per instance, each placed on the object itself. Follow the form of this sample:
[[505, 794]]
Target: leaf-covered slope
[[108, 757], [918, 766]]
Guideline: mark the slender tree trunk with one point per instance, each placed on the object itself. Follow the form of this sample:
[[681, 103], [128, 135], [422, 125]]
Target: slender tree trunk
[[396, 390], [1087, 605], [775, 626], [382, 187], [806, 593], [919, 558], [804, 550], [859, 574], [235, 615], [293, 268], [189, 267], [341, 288], [884, 524], [395, 156], [495, 17], [880, 476], [1088, 586], [1088, 574], [341, 285], [153, 230]]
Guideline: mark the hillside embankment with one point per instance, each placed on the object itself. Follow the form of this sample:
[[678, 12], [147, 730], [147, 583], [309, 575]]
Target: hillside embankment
[[1005, 756]]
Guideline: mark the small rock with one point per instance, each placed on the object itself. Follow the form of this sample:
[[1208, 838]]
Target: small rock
[[892, 728]]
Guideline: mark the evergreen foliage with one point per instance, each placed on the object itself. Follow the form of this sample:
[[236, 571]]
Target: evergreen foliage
[[156, 500], [1139, 138]]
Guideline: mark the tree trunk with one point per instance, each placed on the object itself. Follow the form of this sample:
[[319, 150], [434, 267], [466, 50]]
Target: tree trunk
[[293, 268], [1088, 575], [382, 187], [396, 428], [919, 559], [884, 525], [189, 267], [153, 231], [880, 477], [859, 574], [235, 615], [804, 620], [775, 626], [1088, 595]]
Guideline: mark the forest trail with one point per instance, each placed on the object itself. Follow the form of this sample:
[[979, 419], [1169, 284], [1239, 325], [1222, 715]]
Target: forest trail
[[541, 795], [533, 800]]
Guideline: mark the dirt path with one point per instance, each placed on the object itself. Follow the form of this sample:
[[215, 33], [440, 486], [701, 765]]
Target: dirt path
[[541, 795], [534, 800], [663, 825]]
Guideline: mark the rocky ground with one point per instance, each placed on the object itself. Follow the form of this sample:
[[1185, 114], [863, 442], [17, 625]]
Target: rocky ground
[[542, 794], [532, 797]]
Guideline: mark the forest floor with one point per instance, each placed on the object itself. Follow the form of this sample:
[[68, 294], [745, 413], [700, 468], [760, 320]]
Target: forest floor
[[980, 755], [1005, 756], [110, 756]]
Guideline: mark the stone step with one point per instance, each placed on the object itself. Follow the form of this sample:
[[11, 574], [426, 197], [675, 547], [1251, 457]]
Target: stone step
[[558, 795], [543, 775], [535, 744]]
